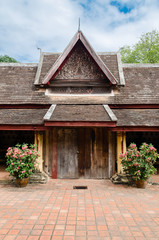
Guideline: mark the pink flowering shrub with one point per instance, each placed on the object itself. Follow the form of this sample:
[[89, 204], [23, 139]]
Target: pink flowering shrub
[[139, 163], [22, 160]]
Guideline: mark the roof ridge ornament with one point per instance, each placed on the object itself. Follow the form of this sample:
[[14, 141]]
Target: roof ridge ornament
[[79, 25]]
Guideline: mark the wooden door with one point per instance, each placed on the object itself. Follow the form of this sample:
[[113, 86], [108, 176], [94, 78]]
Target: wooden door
[[93, 153], [67, 151]]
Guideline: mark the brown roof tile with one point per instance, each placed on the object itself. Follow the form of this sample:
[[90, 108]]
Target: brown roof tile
[[90, 113], [22, 116], [48, 61], [17, 85], [142, 84], [137, 117], [110, 60]]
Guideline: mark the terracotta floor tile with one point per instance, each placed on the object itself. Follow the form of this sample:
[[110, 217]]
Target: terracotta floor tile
[[13, 232], [49, 226], [58, 232], [54, 211], [45, 238], [22, 237], [33, 238], [36, 232], [57, 238], [47, 232], [4, 231], [10, 237]]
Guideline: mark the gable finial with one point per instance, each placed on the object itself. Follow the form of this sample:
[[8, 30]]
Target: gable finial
[[38, 48], [79, 25]]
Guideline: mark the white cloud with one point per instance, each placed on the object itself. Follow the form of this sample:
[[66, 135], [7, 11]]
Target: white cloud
[[50, 25]]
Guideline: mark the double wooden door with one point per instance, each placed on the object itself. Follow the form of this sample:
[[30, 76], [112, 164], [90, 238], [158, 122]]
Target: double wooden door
[[67, 153], [82, 152]]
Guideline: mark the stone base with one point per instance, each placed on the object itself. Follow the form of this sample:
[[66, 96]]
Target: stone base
[[38, 177], [122, 179]]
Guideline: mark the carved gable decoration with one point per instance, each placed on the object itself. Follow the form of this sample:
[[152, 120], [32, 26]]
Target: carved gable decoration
[[80, 69], [79, 66]]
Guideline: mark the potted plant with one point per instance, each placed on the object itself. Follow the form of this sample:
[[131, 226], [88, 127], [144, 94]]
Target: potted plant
[[21, 162], [139, 163]]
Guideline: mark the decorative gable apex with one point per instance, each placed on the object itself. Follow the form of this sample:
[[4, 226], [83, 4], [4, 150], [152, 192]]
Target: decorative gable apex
[[63, 58]]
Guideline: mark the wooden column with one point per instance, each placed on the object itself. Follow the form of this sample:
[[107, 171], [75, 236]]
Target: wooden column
[[38, 140], [111, 154], [46, 155], [54, 154], [121, 148]]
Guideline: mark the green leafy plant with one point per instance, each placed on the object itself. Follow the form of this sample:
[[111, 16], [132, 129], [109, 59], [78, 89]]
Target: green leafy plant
[[146, 50], [22, 160], [139, 163], [7, 59]]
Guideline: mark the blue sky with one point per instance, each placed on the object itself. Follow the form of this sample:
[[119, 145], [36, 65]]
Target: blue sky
[[50, 24]]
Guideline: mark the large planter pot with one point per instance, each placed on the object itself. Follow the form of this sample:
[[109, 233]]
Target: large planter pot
[[141, 183], [22, 182]]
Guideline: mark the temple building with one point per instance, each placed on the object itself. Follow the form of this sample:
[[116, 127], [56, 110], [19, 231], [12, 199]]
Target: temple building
[[80, 107]]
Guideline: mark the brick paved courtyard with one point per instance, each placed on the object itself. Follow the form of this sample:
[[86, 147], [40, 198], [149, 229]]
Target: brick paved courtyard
[[57, 211]]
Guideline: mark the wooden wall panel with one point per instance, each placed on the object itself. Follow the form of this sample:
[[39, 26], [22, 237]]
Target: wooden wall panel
[[67, 166], [93, 153], [53, 151], [80, 152], [46, 152]]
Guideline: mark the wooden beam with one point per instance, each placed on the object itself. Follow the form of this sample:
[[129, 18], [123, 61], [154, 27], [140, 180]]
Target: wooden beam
[[24, 106], [136, 129], [49, 112], [23, 127], [46, 106], [79, 83], [134, 106], [110, 113], [80, 124]]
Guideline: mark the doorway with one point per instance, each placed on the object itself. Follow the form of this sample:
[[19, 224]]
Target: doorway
[[67, 151], [82, 153]]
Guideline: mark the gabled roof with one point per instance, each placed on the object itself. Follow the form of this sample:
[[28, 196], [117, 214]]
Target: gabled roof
[[80, 112], [80, 115], [67, 53]]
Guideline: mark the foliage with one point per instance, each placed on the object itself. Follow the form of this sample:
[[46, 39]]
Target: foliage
[[139, 163], [8, 59], [21, 160], [146, 50]]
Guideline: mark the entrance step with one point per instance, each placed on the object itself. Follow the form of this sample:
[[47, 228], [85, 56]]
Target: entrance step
[[122, 179], [38, 177]]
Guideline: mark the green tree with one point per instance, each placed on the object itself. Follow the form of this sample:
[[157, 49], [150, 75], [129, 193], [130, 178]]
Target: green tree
[[6, 58], [146, 50]]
